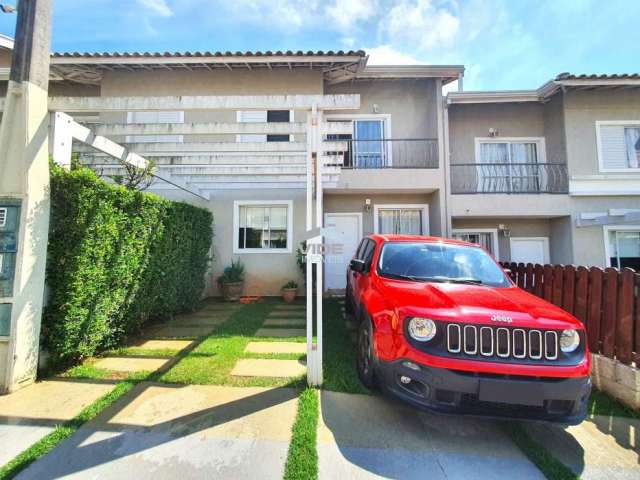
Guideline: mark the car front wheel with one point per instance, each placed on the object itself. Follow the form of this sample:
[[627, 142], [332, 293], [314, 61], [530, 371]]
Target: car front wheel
[[365, 358]]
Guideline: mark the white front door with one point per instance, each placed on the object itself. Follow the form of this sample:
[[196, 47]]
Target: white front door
[[343, 232], [529, 249]]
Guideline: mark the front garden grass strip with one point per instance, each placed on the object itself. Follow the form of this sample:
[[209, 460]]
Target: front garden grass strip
[[281, 332], [603, 405], [302, 458], [65, 430], [287, 314], [259, 367], [552, 468], [339, 354]]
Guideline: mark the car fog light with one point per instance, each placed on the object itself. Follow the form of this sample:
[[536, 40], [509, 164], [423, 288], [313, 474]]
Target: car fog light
[[422, 329], [569, 340], [405, 380]]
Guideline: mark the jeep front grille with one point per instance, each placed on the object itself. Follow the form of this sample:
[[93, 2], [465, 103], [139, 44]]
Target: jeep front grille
[[502, 342]]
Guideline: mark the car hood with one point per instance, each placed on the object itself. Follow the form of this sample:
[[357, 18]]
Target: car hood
[[475, 304]]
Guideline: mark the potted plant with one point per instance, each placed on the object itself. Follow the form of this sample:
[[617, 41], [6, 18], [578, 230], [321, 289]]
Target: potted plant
[[289, 291], [231, 281]]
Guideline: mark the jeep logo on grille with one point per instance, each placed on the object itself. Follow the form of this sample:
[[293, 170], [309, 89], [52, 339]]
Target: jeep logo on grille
[[501, 319]]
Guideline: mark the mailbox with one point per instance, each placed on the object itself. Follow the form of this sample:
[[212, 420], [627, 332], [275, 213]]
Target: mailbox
[[9, 223]]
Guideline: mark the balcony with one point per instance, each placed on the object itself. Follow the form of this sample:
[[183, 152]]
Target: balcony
[[389, 153], [510, 178]]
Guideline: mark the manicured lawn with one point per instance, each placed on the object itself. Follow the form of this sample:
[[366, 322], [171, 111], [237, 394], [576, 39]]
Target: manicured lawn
[[339, 358], [302, 458], [211, 362], [602, 404]]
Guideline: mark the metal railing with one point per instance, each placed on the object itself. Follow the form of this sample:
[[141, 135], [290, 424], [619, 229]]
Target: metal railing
[[390, 153], [509, 178]]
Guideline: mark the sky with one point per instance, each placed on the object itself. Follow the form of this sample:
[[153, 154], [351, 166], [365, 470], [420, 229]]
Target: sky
[[504, 44]]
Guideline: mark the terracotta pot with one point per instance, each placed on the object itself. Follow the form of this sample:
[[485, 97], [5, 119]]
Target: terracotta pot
[[231, 291], [289, 294]]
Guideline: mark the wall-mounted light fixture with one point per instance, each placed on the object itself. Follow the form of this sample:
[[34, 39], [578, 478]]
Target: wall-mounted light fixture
[[504, 230], [367, 204], [375, 108], [493, 132]]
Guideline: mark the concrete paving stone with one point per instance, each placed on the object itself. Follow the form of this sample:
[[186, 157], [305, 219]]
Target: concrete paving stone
[[287, 314], [284, 322], [189, 432], [175, 331], [130, 364], [406, 443], [605, 448], [258, 367], [163, 344], [281, 332], [276, 347], [29, 414]]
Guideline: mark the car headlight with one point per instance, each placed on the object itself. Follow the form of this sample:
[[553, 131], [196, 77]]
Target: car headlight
[[569, 340], [422, 329]]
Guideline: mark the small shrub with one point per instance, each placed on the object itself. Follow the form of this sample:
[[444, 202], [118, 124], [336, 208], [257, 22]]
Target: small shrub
[[234, 273]]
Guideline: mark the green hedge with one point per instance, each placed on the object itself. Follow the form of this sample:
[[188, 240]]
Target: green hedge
[[117, 258]]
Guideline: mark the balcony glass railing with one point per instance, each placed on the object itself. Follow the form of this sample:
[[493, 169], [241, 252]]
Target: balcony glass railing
[[509, 178]]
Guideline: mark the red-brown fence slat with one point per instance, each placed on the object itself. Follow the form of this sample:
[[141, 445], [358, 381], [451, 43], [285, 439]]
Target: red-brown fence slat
[[558, 285], [538, 272], [520, 269], [610, 304], [547, 282], [581, 298], [594, 310], [528, 277], [568, 290], [624, 318]]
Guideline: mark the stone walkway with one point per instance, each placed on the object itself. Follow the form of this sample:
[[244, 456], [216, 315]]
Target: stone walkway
[[283, 322], [160, 431]]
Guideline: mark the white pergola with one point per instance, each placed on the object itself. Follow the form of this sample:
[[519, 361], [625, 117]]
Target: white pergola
[[308, 164]]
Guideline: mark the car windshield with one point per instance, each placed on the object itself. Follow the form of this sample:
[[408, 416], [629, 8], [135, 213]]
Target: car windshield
[[440, 262]]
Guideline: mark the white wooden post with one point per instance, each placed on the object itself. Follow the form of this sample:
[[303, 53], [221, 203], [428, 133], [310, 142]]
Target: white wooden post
[[61, 139]]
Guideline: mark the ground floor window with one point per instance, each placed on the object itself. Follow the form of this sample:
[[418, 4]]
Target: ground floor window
[[401, 219], [486, 238], [262, 226], [623, 245]]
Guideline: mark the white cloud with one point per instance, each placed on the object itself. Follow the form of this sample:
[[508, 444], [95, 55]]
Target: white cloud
[[421, 23], [388, 55], [159, 7], [348, 13]]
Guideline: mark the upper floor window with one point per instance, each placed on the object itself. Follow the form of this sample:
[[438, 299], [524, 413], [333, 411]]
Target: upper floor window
[[264, 116], [509, 164], [618, 145], [155, 117], [368, 145]]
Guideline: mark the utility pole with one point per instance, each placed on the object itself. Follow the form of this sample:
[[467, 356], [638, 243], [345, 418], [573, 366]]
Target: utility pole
[[24, 196]]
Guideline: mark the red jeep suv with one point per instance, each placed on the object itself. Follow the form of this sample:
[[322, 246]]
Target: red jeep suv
[[443, 327]]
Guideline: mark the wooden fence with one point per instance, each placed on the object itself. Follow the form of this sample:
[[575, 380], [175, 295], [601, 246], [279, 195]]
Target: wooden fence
[[606, 301]]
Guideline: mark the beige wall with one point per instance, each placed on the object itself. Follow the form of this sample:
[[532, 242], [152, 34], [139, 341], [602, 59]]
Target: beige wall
[[582, 110], [554, 130], [411, 104], [531, 227], [347, 203]]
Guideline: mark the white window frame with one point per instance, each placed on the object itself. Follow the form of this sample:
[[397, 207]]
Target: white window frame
[[385, 117], [545, 240], [621, 123], [492, 231], [131, 138], [616, 228], [424, 207], [267, 203], [239, 120], [541, 148]]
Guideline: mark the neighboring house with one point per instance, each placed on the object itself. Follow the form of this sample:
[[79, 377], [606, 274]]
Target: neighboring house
[[549, 175], [385, 164]]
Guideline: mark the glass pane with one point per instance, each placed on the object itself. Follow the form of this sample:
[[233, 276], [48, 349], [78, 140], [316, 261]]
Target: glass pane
[[494, 153], [524, 153], [632, 141], [400, 221], [254, 226], [625, 249], [369, 147], [5, 319], [411, 222], [481, 238], [262, 227], [278, 227]]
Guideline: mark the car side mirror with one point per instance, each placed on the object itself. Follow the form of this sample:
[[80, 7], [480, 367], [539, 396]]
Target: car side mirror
[[357, 265]]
